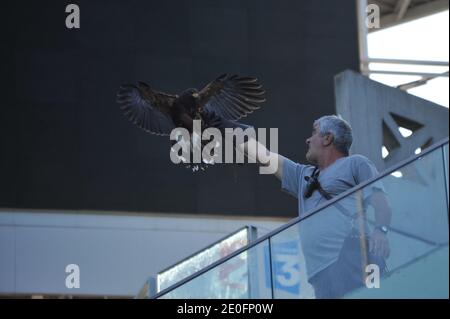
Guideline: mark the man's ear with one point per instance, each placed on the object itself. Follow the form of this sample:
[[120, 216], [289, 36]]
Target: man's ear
[[328, 139]]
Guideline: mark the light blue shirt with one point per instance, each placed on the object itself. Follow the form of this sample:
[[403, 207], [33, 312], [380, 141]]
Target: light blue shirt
[[322, 235]]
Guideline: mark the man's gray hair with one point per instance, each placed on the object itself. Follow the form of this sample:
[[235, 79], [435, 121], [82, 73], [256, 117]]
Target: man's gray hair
[[341, 130]]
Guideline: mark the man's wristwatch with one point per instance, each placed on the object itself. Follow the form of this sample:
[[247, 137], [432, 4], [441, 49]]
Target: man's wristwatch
[[383, 229]]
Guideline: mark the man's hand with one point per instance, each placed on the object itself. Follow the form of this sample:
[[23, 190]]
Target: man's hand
[[379, 244]]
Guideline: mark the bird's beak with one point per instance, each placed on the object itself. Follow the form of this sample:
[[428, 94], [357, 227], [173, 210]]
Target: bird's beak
[[195, 95]]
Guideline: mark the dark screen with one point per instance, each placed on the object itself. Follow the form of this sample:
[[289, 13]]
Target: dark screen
[[65, 143]]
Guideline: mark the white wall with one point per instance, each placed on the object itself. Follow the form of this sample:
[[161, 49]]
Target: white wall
[[116, 253]]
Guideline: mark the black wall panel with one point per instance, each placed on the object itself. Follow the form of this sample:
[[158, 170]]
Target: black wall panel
[[65, 143]]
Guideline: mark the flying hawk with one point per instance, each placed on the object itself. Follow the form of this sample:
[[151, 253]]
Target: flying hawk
[[227, 97]]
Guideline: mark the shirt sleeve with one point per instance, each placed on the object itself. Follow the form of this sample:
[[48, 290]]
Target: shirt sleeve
[[366, 170], [292, 172]]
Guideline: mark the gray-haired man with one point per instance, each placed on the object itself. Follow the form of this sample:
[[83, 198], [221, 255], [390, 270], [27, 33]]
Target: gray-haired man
[[332, 243]]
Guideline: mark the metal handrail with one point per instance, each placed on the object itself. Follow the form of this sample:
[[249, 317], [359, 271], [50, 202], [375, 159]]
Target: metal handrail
[[299, 219]]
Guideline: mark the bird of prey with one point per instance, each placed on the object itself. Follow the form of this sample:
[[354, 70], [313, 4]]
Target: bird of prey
[[227, 97]]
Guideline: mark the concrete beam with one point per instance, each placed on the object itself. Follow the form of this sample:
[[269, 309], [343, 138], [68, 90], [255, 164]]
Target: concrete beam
[[414, 13]]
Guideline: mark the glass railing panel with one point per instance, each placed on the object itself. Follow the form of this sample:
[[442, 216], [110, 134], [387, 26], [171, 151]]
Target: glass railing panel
[[205, 257], [337, 252], [245, 276], [445, 151], [418, 262], [289, 275], [417, 195]]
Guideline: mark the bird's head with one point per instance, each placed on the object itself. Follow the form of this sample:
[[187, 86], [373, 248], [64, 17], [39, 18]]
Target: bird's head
[[189, 100], [191, 92]]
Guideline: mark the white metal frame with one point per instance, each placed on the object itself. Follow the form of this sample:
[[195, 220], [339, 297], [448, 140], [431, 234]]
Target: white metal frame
[[364, 54]]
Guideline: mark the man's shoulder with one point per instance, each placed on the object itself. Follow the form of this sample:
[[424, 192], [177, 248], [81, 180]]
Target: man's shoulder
[[362, 167], [358, 162], [298, 164], [292, 168], [358, 158]]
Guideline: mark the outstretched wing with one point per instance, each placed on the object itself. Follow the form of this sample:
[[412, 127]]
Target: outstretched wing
[[232, 97], [147, 108]]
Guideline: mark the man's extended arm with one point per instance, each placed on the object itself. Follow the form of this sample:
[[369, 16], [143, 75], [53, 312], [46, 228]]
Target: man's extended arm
[[255, 150]]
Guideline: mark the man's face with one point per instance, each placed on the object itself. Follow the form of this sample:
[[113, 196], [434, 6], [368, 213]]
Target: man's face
[[315, 145]]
